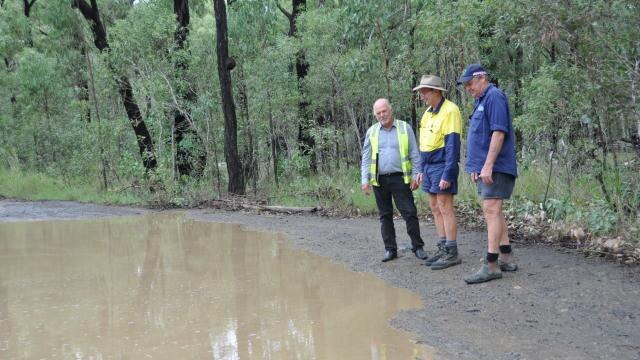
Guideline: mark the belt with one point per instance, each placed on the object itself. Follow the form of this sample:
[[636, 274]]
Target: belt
[[391, 174]]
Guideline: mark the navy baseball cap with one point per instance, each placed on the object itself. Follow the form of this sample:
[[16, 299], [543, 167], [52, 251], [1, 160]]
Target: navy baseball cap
[[470, 72]]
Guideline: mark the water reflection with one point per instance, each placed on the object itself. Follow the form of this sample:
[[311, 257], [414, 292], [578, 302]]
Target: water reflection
[[166, 287]]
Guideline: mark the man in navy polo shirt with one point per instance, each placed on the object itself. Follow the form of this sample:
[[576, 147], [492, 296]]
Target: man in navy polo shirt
[[491, 161]]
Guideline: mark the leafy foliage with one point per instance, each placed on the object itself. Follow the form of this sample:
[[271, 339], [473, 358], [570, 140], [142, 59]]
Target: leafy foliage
[[570, 69]]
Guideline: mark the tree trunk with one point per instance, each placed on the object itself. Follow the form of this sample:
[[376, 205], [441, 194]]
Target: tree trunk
[[385, 58], [306, 142], [414, 78], [354, 122], [634, 103], [234, 166], [51, 153], [82, 83], [27, 13], [27, 7], [145, 143], [272, 132], [213, 143], [103, 159], [11, 66], [250, 164], [10, 63], [188, 162]]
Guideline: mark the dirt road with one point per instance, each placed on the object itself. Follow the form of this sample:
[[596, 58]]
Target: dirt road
[[559, 305]]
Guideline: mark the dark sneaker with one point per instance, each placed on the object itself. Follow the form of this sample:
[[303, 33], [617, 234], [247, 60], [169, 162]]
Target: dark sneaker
[[450, 258], [439, 253], [484, 275], [509, 265]]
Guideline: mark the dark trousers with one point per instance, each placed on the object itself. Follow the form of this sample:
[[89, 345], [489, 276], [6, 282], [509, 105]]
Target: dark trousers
[[394, 187]]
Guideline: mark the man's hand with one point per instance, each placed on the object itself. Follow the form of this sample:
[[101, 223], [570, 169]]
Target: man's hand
[[416, 183], [486, 174], [497, 139], [366, 188], [474, 177], [444, 184]]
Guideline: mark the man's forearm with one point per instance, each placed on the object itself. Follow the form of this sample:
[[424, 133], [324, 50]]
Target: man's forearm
[[365, 165], [497, 139]]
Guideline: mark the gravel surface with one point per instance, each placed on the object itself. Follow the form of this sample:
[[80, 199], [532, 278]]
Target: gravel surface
[[558, 305]]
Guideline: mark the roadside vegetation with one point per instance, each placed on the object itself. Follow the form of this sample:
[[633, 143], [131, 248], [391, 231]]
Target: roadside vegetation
[[586, 223], [143, 102]]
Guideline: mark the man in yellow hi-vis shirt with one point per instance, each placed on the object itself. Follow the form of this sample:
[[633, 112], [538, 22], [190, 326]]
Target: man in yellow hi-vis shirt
[[440, 129]]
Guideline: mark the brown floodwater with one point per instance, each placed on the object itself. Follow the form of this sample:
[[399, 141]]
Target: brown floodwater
[[167, 287]]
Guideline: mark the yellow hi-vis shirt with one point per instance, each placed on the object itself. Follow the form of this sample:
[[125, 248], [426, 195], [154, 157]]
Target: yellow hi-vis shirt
[[435, 126]]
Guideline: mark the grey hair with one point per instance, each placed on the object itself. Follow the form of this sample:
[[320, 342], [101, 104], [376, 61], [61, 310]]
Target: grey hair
[[383, 100]]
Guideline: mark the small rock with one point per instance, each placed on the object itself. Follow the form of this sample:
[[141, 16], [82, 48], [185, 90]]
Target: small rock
[[613, 244]]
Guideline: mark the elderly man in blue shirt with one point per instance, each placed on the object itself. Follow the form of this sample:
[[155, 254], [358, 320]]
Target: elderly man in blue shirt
[[390, 164], [491, 161]]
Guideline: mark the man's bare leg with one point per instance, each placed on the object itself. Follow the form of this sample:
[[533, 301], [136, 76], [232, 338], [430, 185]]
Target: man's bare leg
[[496, 226]]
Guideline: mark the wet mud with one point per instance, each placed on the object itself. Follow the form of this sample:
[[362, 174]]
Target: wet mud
[[558, 305]]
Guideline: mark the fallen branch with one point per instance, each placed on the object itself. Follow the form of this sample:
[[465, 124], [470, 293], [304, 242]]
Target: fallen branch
[[280, 209], [237, 203]]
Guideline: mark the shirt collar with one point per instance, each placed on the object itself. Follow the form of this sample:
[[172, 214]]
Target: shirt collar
[[393, 124], [437, 108], [485, 91]]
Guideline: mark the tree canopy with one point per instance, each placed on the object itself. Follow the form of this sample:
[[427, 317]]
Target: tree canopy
[[118, 92]]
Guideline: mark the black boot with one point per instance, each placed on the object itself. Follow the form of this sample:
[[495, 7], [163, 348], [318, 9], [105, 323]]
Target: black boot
[[439, 253], [451, 258]]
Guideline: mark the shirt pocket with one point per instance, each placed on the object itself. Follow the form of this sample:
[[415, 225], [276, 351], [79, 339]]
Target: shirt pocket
[[476, 121], [433, 137]]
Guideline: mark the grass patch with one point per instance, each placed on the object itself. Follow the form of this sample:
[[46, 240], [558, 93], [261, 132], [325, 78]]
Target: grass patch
[[339, 192], [575, 200], [31, 186]]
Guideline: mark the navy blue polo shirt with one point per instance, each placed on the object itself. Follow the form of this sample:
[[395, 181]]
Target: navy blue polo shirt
[[491, 113]]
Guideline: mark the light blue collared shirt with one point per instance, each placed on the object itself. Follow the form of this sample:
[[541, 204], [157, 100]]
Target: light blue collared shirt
[[389, 152]]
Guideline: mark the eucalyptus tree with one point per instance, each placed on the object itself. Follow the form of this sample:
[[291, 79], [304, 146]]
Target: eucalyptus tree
[[190, 157], [305, 139], [27, 7], [36, 87], [358, 52], [226, 63], [145, 143], [267, 92], [9, 62], [304, 84]]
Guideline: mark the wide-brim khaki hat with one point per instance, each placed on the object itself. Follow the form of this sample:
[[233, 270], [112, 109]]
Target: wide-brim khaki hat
[[430, 81]]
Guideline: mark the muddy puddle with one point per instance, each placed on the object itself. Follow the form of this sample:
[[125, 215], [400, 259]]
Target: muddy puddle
[[167, 287]]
